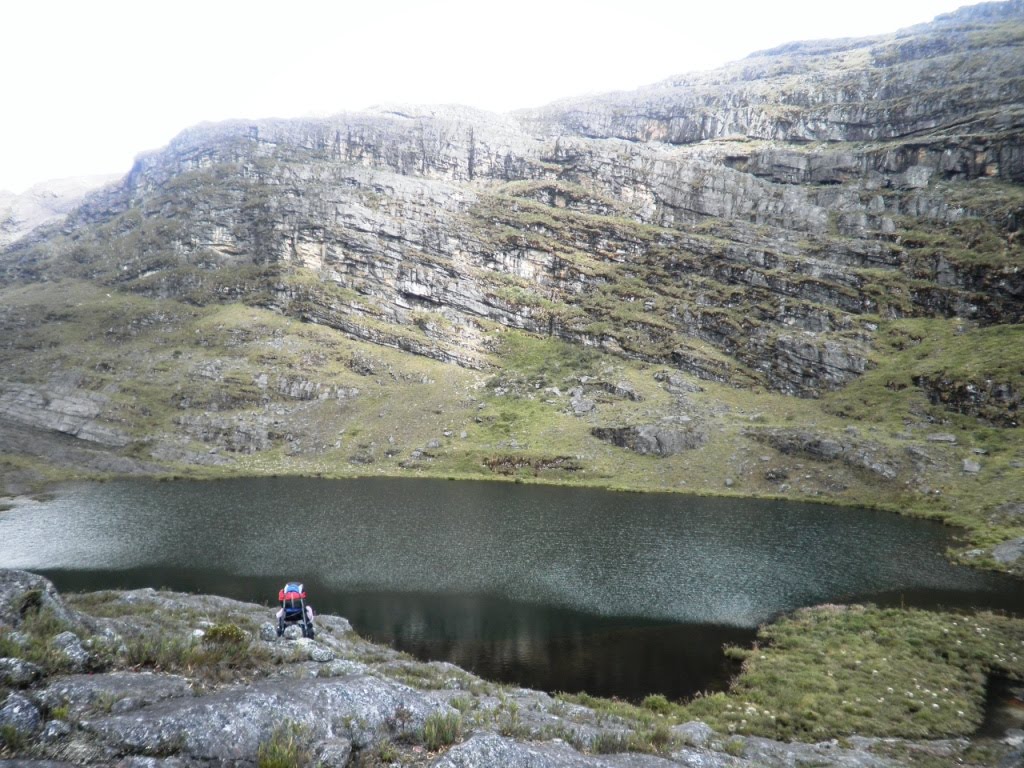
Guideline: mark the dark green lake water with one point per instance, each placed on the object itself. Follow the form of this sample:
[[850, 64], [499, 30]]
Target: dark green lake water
[[553, 588]]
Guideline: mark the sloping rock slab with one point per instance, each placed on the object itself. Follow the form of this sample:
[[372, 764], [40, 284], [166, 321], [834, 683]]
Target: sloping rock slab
[[229, 725], [116, 692], [485, 750], [859, 454], [652, 438], [776, 754]]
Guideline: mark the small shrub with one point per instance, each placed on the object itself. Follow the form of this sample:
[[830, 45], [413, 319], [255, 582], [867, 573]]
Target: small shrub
[[30, 601], [658, 703], [661, 737], [225, 634], [224, 645], [441, 730], [105, 701], [163, 652], [606, 743], [38, 626]]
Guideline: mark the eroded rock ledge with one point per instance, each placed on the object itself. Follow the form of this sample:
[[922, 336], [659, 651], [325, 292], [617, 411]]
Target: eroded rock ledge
[[148, 678]]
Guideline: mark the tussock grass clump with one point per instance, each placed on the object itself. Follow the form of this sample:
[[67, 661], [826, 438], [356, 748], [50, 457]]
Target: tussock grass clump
[[387, 753], [159, 651], [287, 747], [12, 740], [224, 650], [441, 730], [649, 741]]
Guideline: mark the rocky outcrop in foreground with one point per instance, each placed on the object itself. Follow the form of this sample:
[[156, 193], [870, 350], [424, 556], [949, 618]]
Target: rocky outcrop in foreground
[[148, 678]]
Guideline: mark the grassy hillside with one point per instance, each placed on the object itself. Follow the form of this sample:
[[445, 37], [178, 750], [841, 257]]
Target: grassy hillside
[[194, 386]]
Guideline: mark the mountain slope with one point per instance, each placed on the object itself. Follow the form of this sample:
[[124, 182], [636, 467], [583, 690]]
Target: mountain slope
[[43, 204], [799, 275]]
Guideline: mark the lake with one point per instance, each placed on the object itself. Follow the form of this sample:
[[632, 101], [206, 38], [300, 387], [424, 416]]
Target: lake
[[553, 588]]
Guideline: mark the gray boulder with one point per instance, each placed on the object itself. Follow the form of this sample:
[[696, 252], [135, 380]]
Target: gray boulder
[[694, 733], [293, 632], [676, 384], [1009, 552], [579, 404], [320, 653], [334, 753], [22, 592], [18, 673], [315, 651], [20, 714], [268, 632], [71, 648], [55, 730]]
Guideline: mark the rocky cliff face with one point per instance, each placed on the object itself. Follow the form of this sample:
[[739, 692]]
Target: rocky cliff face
[[797, 223], [772, 210]]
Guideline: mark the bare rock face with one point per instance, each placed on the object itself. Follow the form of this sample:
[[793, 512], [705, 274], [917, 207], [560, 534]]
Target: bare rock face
[[60, 409], [660, 440], [230, 724], [998, 403], [853, 452], [757, 225], [801, 175], [491, 749], [120, 692]]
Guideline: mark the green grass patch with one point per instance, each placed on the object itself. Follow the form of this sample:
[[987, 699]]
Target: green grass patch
[[38, 626], [915, 355], [225, 653], [831, 671]]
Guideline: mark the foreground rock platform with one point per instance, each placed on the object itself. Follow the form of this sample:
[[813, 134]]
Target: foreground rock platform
[[153, 678]]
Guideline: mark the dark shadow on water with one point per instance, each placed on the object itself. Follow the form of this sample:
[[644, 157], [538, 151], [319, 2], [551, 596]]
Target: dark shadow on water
[[527, 585], [549, 648], [534, 646], [1004, 708]]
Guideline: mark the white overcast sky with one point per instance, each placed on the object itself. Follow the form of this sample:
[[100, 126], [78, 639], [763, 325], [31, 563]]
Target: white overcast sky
[[88, 84]]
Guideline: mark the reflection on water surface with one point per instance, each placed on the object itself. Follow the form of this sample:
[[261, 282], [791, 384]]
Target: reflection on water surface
[[571, 589]]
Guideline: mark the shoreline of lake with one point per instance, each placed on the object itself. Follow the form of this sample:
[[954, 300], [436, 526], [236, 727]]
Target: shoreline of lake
[[538, 575]]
